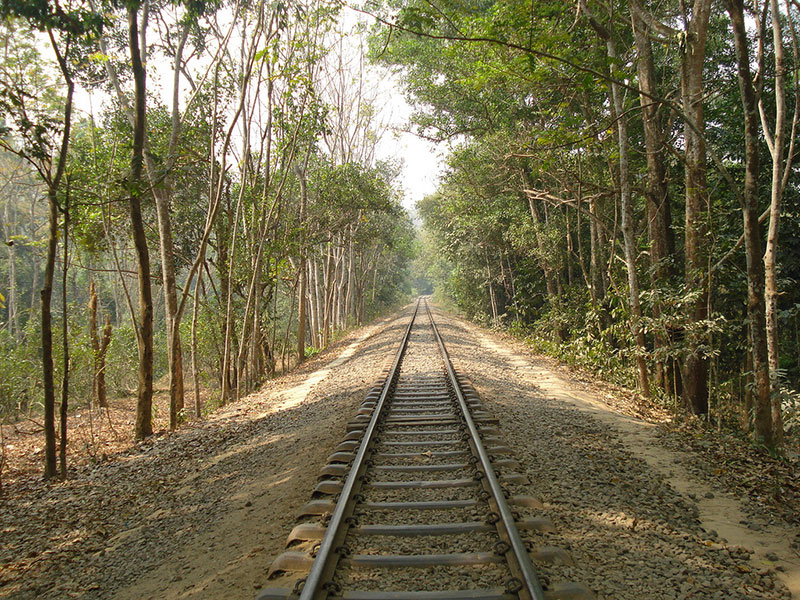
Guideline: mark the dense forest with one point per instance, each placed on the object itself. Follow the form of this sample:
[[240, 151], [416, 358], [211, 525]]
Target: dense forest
[[190, 194], [621, 188]]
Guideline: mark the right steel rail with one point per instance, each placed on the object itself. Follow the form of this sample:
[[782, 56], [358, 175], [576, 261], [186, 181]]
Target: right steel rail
[[527, 571], [326, 557]]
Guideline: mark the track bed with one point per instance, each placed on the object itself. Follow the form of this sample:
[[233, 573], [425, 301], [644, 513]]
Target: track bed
[[421, 500]]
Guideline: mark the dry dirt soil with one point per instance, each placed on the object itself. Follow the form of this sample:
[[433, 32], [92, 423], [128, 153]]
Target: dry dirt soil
[[640, 503]]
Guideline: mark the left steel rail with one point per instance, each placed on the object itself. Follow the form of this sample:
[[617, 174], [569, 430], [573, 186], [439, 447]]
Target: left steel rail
[[327, 555]]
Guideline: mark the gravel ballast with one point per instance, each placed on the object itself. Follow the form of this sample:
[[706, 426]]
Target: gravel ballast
[[202, 512], [630, 533]]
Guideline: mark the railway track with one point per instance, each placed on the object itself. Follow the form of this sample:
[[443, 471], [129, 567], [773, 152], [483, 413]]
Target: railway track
[[421, 500]]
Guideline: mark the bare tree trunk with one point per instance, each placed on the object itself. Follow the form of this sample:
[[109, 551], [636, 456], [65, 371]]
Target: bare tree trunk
[[198, 407], [490, 286], [752, 233], [626, 204], [102, 400], [595, 258], [328, 290], [53, 184], [62, 454], [12, 303], [570, 249], [144, 329], [162, 197], [662, 238], [549, 277], [47, 340], [780, 171], [34, 226], [293, 294], [695, 380], [95, 340], [229, 326], [628, 234], [349, 308], [301, 298]]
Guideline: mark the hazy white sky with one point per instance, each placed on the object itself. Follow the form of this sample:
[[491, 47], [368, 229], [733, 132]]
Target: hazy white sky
[[422, 159]]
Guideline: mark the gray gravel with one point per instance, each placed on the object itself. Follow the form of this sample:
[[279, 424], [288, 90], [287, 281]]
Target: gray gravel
[[197, 513], [422, 362], [630, 534], [201, 513]]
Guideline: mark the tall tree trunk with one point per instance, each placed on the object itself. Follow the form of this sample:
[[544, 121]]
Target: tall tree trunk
[[53, 185], [162, 195], [12, 303], [662, 238], [318, 300], [776, 144], [595, 257], [33, 228], [195, 376], [95, 341], [628, 235], [62, 454], [301, 298], [626, 205], [549, 277], [228, 366], [490, 287], [144, 327], [752, 231], [349, 308], [695, 380], [47, 340]]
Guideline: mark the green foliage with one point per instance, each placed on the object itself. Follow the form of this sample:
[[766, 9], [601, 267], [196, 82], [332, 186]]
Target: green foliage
[[20, 385]]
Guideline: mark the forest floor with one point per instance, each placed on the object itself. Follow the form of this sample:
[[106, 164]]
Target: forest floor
[[648, 507]]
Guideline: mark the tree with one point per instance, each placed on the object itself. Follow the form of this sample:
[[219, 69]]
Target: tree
[[65, 29], [752, 233]]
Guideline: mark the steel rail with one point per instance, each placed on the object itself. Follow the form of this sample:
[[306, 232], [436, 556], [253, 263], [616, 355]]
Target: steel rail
[[527, 570], [313, 586]]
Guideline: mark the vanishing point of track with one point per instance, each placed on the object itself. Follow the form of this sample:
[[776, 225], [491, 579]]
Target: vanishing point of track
[[421, 470]]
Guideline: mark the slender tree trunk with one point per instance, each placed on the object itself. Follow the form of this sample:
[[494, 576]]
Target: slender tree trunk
[[47, 340], [313, 307], [162, 195], [95, 340], [626, 205], [349, 308], [579, 243], [695, 380], [144, 328], [549, 277], [752, 232], [34, 226], [102, 400], [12, 303], [628, 234], [662, 238], [595, 259], [53, 184], [198, 407], [776, 196], [301, 298], [490, 286], [62, 455], [229, 328]]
